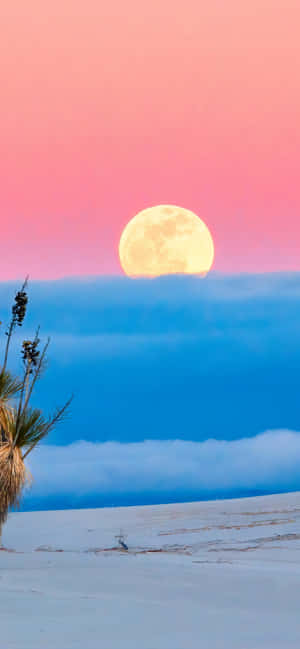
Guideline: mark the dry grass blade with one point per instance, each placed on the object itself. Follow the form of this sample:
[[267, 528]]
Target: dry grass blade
[[6, 414], [13, 477]]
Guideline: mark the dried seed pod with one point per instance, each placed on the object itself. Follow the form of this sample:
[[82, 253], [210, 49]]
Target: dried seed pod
[[19, 308]]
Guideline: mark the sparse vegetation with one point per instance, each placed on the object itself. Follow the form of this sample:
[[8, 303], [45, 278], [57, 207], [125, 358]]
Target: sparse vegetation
[[21, 426]]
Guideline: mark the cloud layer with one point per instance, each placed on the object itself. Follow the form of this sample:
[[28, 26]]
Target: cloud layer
[[174, 381], [169, 358], [86, 474]]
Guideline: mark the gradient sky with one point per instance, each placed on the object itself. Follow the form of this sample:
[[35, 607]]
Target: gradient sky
[[107, 108]]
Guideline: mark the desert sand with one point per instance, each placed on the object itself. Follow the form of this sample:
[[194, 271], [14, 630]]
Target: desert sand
[[208, 575]]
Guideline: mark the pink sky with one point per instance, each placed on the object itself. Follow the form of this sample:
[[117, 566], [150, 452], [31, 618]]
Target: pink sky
[[110, 107]]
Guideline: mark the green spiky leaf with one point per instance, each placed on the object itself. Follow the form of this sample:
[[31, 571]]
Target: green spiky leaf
[[32, 427], [9, 387]]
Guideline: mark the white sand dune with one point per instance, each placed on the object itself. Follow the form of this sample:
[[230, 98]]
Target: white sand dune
[[213, 575]]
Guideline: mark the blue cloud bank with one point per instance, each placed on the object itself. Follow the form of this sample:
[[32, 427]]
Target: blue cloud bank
[[159, 368], [86, 474]]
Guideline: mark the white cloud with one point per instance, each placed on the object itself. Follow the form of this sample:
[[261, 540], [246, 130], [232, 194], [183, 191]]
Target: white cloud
[[269, 461]]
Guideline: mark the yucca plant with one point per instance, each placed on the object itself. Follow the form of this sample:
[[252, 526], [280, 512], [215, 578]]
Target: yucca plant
[[9, 390], [21, 426]]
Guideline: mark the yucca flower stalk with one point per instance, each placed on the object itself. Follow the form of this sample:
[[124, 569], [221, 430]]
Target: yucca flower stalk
[[10, 386], [17, 317]]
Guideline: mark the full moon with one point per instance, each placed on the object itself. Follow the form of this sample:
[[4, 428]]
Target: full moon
[[166, 240]]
